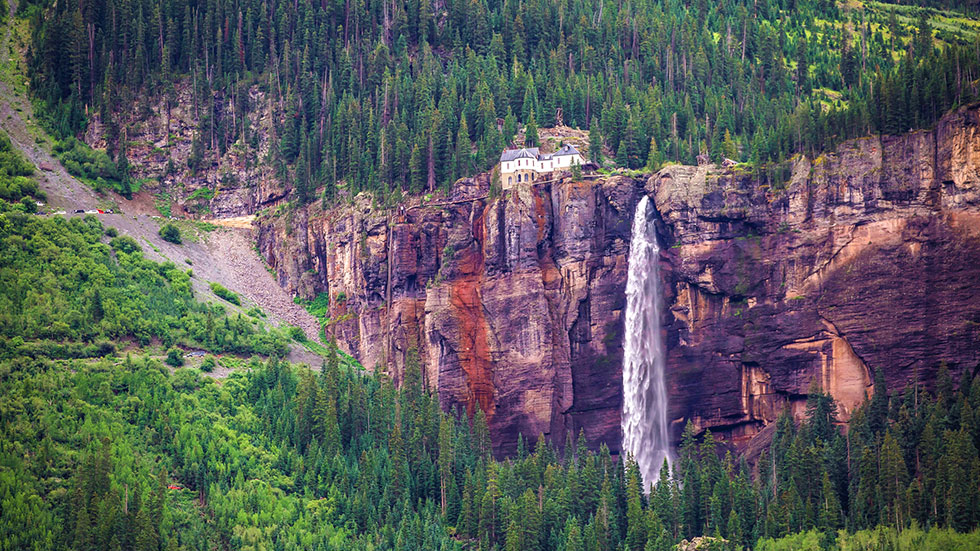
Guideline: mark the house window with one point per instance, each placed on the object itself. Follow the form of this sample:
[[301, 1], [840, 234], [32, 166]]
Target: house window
[[510, 180]]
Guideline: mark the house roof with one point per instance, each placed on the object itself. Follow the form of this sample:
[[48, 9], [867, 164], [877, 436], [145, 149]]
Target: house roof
[[567, 149], [512, 154]]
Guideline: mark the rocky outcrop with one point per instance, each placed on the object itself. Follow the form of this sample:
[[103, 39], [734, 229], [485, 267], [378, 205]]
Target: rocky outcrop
[[864, 258], [230, 179], [867, 257]]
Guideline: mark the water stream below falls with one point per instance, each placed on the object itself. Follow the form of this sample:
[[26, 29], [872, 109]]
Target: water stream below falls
[[644, 417]]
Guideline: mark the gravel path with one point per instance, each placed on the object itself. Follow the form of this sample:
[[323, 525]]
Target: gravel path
[[226, 255]]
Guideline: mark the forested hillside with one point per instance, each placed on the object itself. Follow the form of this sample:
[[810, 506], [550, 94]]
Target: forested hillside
[[111, 450], [102, 448], [108, 441], [404, 96]]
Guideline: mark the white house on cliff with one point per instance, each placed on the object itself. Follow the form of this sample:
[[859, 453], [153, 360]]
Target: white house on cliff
[[526, 164]]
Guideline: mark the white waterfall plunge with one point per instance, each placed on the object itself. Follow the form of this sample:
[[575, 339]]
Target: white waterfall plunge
[[644, 392]]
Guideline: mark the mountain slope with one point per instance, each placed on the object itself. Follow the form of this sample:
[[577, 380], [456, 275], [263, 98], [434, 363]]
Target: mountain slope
[[222, 255]]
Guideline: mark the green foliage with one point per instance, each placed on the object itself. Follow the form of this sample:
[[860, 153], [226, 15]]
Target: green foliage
[[882, 538], [63, 293], [221, 292], [319, 307], [256, 312], [15, 184], [175, 357], [162, 202], [125, 244], [95, 167], [208, 364], [28, 204], [203, 194], [170, 232]]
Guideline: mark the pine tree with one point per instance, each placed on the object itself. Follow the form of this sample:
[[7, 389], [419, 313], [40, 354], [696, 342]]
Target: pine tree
[[531, 132], [417, 169], [445, 458], [636, 522], [728, 146], [573, 535], [489, 509], [962, 465], [595, 142], [481, 433], [654, 160], [305, 399], [467, 522], [878, 408], [830, 510], [893, 479], [662, 500], [463, 154]]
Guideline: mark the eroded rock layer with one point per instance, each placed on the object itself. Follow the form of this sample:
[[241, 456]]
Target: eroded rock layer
[[863, 258]]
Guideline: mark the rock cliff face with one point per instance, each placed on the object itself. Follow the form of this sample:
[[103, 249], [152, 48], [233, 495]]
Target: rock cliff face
[[513, 303], [865, 257], [160, 137]]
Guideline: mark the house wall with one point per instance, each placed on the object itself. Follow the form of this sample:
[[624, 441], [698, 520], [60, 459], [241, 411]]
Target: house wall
[[509, 179], [526, 169], [565, 161]]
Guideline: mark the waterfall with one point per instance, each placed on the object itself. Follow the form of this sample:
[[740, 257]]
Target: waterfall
[[644, 418]]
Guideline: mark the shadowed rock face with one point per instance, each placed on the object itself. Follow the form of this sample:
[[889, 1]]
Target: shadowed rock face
[[865, 257]]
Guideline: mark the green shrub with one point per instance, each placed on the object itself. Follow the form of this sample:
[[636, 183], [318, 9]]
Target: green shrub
[[14, 171], [94, 166], [208, 364], [296, 334], [175, 357], [221, 292], [203, 193], [320, 307], [111, 232], [186, 380], [171, 233], [125, 244]]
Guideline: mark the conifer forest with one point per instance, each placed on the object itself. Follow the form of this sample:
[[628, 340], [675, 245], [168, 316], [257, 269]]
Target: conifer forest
[[150, 401]]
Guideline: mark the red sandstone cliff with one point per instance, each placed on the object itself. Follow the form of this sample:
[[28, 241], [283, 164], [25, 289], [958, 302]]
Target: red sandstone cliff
[[513, 303], [865, 257]]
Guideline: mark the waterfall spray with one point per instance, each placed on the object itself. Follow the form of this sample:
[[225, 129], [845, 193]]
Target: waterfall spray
[[644, 392]]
